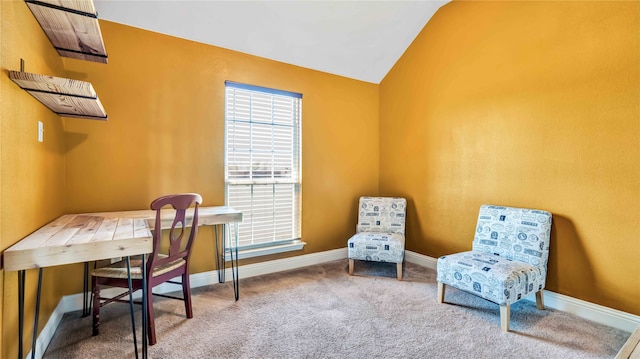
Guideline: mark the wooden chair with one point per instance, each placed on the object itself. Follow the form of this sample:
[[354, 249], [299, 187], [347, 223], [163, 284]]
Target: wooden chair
[[161, 266]]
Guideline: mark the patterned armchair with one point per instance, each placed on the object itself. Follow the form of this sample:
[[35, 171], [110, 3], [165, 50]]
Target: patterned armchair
[[508, 260], [380, 232]]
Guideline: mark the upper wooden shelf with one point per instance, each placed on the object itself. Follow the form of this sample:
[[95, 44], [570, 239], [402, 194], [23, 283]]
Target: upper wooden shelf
[[72, 27], [65, 97]]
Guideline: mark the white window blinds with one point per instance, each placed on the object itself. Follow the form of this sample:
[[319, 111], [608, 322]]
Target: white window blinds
[[262, 164]]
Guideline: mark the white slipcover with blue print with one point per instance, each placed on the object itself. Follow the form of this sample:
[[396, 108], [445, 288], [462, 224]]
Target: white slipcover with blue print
[[380, 230], [509, 255]]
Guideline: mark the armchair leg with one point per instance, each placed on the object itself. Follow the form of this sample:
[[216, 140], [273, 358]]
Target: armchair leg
[[540, 299], [505, 316], [399, 270], [351, 266], [440, 292]]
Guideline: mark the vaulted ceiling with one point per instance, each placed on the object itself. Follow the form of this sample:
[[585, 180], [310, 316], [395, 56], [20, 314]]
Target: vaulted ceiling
[[356, 39]]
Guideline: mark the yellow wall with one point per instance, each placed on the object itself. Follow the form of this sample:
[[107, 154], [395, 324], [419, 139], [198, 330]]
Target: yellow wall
[[531, 104], [165, 132], [32, 173]]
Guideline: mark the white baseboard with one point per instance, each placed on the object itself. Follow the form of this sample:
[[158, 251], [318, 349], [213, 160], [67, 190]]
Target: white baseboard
[[594, 312], [279, 265], [73, 302], [597, 313], [420, 259], [49, 330]]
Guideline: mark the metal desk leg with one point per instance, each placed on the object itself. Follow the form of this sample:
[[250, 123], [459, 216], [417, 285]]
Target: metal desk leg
[[144, 307], [85, 291], [133, 320], [145, 310], [21, 280], [35, 318], [233, 255], [219, 257], [87, 295]]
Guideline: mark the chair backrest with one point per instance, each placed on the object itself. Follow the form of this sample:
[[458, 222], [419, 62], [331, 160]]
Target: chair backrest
[[179, 244], [381, 214], [515, 233]]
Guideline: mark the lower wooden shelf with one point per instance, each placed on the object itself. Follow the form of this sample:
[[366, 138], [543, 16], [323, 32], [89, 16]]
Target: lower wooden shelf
[[65, 97]]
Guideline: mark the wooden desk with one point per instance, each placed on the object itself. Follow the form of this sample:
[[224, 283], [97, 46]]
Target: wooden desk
[[207, 216], [77, 238], [85, 237], [215, 216], [74, 238]]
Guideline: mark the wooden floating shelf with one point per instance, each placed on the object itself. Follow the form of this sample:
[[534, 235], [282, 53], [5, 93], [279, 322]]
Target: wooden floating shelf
[[65, 97], [72, 27]]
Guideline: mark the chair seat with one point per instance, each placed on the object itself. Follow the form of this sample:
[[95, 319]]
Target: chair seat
[[495, 278], [119, 269], [375, 246]]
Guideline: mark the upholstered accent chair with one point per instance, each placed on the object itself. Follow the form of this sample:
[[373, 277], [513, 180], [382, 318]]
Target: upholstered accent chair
[[380, 232], [508, 260]]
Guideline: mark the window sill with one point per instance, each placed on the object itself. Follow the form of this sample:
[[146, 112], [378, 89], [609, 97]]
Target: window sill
[[257, 252]]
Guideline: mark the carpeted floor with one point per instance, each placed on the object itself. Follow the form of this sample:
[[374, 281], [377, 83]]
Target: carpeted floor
[[322, 312]]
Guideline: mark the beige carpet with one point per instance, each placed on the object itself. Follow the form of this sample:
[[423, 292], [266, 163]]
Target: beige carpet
[[322, 312]]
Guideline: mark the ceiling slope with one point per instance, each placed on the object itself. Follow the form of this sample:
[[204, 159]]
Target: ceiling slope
[[356, 39]]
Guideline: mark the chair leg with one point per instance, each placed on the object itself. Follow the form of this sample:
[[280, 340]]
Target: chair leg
[[186, 293], [96, 307], [440, 292], [351, 266], [540, 299], [505, 316], [151, 329], [399, 270]]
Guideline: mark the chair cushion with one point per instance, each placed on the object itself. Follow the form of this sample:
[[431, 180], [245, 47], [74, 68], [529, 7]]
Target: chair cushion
[[379, 247], [515, 233], [119, 269], [495, 278], [381, 214]]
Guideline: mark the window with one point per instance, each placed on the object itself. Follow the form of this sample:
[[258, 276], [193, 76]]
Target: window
[[262, 166]]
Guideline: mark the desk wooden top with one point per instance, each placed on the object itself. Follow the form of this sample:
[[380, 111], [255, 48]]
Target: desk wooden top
[[207, 216], [84, 237], [76, 238]]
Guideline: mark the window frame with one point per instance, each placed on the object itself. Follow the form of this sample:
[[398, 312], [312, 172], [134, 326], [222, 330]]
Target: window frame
[[277, 245]]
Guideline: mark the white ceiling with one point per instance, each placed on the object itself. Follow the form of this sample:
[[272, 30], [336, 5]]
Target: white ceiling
[[355, 39]]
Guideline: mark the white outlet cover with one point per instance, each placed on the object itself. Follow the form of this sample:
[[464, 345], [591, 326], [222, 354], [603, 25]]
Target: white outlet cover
[[40, 131]]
